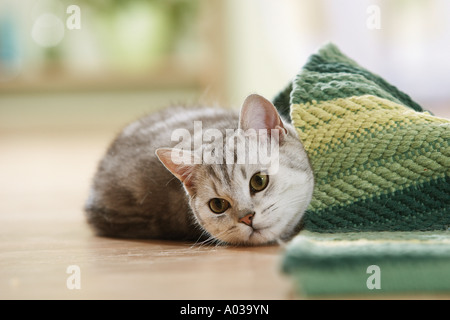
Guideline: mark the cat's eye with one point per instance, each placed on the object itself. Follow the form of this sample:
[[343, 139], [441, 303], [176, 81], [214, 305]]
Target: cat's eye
[[218, 205], [258, 182]]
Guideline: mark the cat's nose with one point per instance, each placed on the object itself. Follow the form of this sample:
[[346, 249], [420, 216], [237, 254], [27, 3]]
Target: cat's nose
[[247, 219]]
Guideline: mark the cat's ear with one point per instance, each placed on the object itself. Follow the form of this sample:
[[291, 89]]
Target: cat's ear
[[259, 113], [181, 163]]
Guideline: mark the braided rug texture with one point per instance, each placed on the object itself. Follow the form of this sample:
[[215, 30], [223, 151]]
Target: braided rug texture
[[381, 163]]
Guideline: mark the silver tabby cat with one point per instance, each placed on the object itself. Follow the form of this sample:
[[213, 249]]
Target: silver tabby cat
[[145, 188]]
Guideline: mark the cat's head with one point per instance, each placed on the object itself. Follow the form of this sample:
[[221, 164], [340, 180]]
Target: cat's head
[[248, 202]]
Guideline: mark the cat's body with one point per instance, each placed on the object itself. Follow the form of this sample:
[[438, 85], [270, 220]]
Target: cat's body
[[135, 195]]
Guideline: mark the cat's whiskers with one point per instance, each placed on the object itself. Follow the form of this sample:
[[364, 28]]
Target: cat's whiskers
[[204, 242], [170, 180], [210, 240], [221, 235], [145, 197]]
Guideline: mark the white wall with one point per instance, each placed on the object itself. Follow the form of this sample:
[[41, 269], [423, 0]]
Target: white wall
[[269, 41]]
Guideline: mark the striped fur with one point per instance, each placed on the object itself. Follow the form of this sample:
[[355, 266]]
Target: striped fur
[[134, 196]]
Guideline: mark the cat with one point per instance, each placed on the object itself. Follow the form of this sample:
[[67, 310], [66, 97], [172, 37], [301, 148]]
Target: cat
[[149, 185]]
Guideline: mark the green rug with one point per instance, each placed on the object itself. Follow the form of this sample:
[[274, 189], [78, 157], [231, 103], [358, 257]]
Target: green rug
[[381, 163], [369, 263]]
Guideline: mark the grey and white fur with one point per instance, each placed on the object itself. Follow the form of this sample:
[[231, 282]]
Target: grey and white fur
[[140, 191]]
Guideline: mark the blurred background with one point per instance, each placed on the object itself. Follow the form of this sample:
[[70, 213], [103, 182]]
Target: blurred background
[[74, 72]]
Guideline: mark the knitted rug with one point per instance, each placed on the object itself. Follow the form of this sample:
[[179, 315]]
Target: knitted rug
[[369, 263], [380, 161]]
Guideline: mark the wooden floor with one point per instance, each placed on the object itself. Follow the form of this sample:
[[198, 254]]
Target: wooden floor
[[35, 258], [44, 181]]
